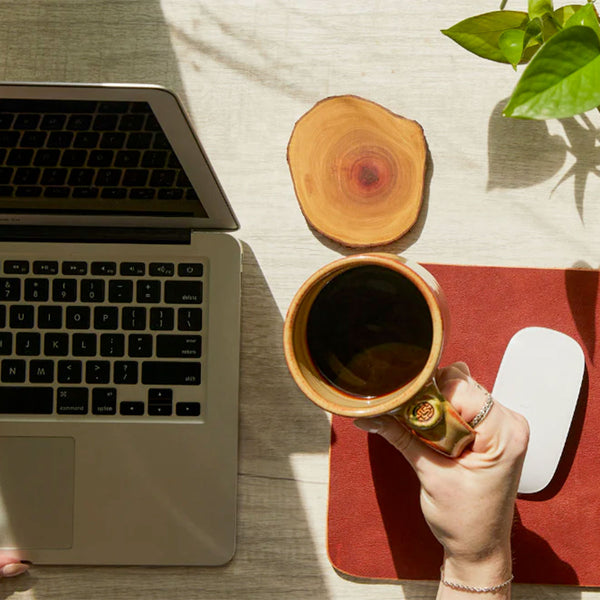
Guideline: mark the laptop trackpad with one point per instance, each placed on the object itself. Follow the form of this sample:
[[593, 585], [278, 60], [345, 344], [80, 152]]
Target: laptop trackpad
[[36, 492]]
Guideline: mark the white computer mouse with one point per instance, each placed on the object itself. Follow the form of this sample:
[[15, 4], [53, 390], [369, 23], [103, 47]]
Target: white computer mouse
[[540, 377]]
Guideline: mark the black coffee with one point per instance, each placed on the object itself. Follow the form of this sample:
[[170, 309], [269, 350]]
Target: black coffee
[[369, 331]]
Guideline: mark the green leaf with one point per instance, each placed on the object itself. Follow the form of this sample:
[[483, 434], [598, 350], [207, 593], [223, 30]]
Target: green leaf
[[564, 13], [481, 34], [586, 16], [511, 44], [538, 8], [562, 80]]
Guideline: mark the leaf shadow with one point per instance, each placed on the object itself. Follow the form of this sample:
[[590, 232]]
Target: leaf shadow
[[523, 153]]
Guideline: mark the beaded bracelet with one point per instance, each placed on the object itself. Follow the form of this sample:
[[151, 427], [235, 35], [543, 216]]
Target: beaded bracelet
[[474, 590]]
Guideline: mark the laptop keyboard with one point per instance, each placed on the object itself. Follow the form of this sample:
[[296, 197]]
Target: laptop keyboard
[[80, 149], [101, 338]]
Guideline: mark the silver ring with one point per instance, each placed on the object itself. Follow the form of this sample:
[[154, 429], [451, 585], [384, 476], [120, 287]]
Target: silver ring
[[485, 409]]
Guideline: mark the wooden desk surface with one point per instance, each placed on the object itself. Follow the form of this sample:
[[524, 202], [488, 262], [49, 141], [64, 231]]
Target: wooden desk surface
[[500, 192]]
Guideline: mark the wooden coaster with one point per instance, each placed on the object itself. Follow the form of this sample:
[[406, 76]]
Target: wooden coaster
[[358, 170]]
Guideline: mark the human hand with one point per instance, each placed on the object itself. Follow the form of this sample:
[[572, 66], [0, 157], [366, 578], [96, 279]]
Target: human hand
[[468, 501]]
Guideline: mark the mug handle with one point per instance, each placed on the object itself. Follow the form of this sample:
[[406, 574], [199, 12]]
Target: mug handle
[[435, 421]]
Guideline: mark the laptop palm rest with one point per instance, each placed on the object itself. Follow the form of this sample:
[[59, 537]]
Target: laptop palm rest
[[36, 492]]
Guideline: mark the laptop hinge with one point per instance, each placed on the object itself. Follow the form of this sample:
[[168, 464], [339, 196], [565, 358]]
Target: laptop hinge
[[122, 235]]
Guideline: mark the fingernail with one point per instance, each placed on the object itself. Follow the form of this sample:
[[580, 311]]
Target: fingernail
[[372, 425], [13, 569]]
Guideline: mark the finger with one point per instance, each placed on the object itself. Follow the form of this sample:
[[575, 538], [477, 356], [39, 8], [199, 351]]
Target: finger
[[417, 453], [13, 569], [458, 370]]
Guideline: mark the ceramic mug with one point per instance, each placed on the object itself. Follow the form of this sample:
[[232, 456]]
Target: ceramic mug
[[363, 337]]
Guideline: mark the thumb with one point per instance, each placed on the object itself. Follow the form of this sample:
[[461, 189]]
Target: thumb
[[418, 454]]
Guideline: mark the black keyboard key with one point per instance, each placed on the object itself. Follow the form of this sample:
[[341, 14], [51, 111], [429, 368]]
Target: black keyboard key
[[104, 268], [30, 400], [105, 122], [112, 344], [132, 408], [74, 268], [26, 176], [10, 289], [16, 267], [154, 159], [161, 269], [183, 292], [113, 106], [6, 120], [72, 401], [140, 345], [162, 178], [190, 269], [56, 344], [127, 158], [97, 371], [161, 319], [152, 124], [7, 191], [28, 343], [108, 177], [106, 317], [79, 122], [5, 343], [64, 290], [53, 122], [69, 371], [85, 192], [26, 121], [135, 177], [178, 346], [120, 290], [92, 290], [170, 194], [187, 409], [60, 139], [141, 193], [148, 291], [56, 192], [9, 139], [82, 177], [112, 140], [170, 373], [41, 371], [54, 176], [73, 158], [21, 317], [46, 157], [100, 158], [45, 267], [161, 142], [13, 371], [28, 191], [114, 193], [50, 317], [104, 401], [139, 141], [84, 344], [6, 174], [160, 402], [133, 318], [2, 315], [78, 317], [125, 371], [131, 122], [37, 290], [33, 139], [132, 269], [19, 157]]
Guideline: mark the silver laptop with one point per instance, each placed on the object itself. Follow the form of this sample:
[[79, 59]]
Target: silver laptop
[[119, 331]]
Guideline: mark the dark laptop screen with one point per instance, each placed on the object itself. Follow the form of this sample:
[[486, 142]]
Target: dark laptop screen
[[89, 157]]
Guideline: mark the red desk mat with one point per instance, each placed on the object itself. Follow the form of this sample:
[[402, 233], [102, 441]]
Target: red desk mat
[[375, 525]]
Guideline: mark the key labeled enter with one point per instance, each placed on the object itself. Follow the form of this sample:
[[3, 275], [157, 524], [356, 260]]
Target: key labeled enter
[[178, 346]]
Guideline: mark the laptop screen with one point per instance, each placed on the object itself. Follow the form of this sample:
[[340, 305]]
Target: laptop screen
[[69, 151]]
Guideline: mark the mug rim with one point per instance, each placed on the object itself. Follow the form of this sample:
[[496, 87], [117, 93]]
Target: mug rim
[[351, 405]]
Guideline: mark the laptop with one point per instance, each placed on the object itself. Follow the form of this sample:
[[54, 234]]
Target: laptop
[[119, 331]]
